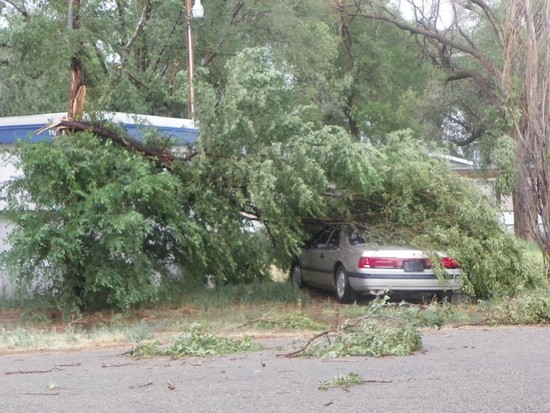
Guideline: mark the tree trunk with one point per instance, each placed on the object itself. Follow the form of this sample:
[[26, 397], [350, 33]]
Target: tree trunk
[[77, 92], [528, 61], [522, 205]]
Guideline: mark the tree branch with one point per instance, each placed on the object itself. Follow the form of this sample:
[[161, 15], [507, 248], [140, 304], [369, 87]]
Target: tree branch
[[170, 34], [429, 33], [164, 157], [491, 17], [136, 80], [485, 86], [144, 18], [21, 10], [207, 59]]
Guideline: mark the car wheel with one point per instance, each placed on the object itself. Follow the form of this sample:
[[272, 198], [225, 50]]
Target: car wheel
[[296, 275], [344, 292]]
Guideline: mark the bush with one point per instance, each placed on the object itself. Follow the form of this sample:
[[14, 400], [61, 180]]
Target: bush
[[94, 224]]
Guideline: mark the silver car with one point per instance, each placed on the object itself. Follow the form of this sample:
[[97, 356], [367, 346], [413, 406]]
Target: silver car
[[339, 260]]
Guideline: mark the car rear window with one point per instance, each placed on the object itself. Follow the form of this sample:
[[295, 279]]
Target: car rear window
[[356, 237]]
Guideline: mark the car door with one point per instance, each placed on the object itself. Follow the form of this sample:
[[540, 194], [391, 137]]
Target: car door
[[328, 258], [312, 260]]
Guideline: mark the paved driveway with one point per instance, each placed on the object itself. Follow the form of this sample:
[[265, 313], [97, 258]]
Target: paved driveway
[[459, 370]]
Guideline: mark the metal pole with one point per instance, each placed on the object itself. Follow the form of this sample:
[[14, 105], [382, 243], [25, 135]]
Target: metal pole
[[189, 55]]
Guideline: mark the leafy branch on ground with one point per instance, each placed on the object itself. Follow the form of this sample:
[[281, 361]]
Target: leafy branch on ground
[[371, 334], [351, 379], [197, 343]]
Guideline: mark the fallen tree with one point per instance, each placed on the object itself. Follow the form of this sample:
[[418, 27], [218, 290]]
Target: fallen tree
[[101, 226]]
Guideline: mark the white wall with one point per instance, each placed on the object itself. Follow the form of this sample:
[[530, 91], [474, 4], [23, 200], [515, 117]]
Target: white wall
[[7, 171], [6, 287]]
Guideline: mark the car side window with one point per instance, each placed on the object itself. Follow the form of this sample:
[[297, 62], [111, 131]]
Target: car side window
[[335, 238], [322, 240]]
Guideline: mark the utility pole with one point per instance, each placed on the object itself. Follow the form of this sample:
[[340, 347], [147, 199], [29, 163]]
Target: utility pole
[[195, 12]]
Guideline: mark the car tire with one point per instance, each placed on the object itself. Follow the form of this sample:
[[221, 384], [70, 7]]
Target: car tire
[[296, 275], [445, 296], [344, 292]]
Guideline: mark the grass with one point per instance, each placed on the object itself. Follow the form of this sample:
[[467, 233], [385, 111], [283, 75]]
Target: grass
[[259, 310]]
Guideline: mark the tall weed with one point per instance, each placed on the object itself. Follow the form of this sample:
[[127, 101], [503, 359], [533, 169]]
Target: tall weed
[[531, 307]]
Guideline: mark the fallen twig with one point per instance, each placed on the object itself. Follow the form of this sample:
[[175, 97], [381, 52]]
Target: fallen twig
[[149, 383], [116, 365], [264, 317], [308, 343], [7, 373], [377, 381], [69, 365]]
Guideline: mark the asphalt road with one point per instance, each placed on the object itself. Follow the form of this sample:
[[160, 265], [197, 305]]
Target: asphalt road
[[459, 370]]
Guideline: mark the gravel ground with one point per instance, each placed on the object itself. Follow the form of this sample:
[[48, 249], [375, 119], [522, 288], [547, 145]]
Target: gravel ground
[[464, 369]]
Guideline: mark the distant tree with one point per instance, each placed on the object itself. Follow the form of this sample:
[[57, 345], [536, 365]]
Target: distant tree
[[385, 77], [33, 76], [361, 75], [127, 54]]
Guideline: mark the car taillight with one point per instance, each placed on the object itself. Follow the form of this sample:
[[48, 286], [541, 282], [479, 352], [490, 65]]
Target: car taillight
[[447, 262], [378, 262], [364, 262]]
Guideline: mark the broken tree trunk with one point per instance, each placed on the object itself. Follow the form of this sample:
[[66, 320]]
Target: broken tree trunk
[[77, 92]]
